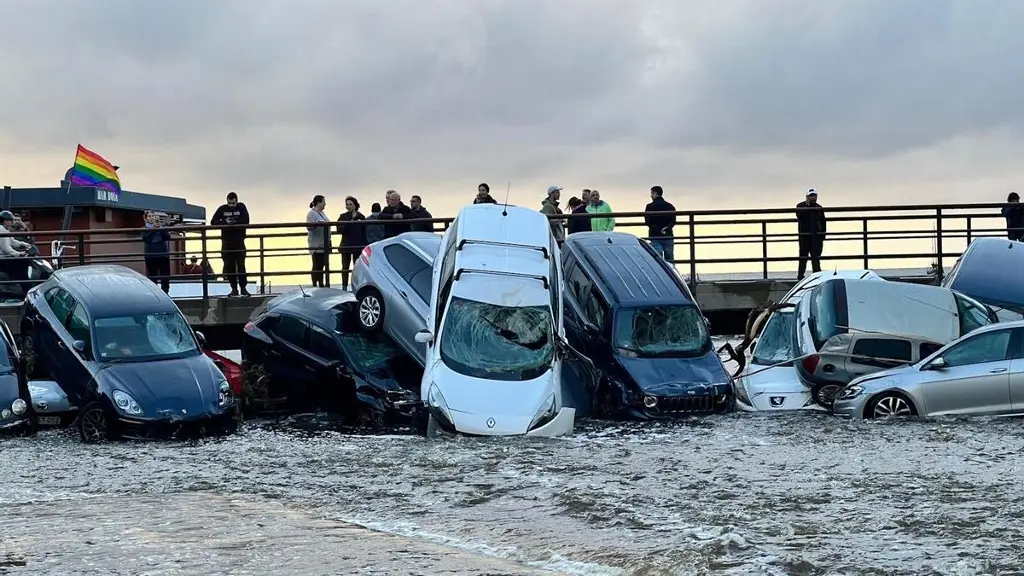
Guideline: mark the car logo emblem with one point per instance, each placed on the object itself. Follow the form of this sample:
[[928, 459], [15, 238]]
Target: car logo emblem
[[691, 392], [776, 401], [42, 406], [183, 411], [490, 422]]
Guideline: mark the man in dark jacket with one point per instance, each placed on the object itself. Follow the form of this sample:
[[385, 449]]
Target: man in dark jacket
[[395, 212], [232, 242], [659, 226], [1014, 214], [417, 211], [810, 218], [157, 250]]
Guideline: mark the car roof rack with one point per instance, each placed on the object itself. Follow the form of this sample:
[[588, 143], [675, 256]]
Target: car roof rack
[[543, 279], [543, 250]]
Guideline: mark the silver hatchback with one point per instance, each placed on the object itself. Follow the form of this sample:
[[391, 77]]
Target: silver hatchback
[[391, 280]]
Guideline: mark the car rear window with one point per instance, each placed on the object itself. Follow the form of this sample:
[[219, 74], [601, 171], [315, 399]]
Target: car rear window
[[404, 261], [824, 320], [882, 352]]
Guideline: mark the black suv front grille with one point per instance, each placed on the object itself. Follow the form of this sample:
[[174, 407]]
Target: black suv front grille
[[686, 404]]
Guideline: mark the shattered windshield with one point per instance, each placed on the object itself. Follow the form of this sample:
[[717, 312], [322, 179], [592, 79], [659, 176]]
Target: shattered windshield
[[497, 342], [669, 331], [158, 336], [775, 344]]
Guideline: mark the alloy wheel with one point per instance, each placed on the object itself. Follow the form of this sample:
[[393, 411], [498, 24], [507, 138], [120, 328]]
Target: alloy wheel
[[891, 406], [94, 425], [369, 311]]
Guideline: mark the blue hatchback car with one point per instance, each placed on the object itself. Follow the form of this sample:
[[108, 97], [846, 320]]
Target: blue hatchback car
[[125, 355], [16, 413], [629, 312]]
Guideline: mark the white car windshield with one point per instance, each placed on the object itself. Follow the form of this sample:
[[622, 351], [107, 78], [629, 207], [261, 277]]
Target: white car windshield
[[775, 344], [497, 342], [157, 336], [667, 331]]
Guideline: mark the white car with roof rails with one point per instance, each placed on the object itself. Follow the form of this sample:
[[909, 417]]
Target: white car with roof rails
[[769, 382], [495, 335]]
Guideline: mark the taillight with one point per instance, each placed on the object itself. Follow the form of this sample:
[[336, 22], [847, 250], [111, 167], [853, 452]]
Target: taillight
[[810, 363], [365, 256], [249, 327]]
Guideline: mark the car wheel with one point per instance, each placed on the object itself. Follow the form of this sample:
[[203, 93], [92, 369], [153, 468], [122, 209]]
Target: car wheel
[[371, 310], [33, 368], [93, 424], [824, 395], [890, 405], [255, 395]]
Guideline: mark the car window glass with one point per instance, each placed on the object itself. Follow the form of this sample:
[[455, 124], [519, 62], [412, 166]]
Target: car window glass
[[78, 324], [61, 305], [988, 347], [882, 351], [404, 261], [322, 345], [929, 348], [579, 285], [291, 330], [51, 294], [421, 283], [595, 309], [824, 317], [972, 316]]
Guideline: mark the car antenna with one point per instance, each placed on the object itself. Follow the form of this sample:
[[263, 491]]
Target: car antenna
[[508, 189], [304, 295]]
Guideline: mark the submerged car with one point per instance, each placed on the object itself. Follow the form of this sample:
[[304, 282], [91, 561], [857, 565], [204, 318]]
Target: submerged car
[[494, 332], [769, 381], [16, 414], [991, 271], [304, 351], [391, 279], [632, 315], [979, 374], [849, 328], [124, 355]]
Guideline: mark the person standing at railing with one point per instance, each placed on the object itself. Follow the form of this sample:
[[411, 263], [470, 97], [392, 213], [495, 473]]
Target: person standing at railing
[[598, 206], [418, 212], [549, 207], [318, 238], [374, 232], [157, 251], [483, 195], [659, 226], [1014, 214], [395, 213], [11, 248], [811, 224], [232, 242], [353, 237]]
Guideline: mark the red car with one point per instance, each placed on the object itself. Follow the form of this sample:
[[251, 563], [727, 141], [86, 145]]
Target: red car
[[231, 369]]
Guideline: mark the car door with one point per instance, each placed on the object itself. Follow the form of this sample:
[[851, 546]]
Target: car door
[[976, 378], [1017, 373], [333, 389], [578, 289], [286, 361], [48, 322], [74, 365], [872, 353], [406, 318]]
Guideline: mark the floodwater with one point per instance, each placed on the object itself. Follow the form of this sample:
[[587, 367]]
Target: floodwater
[[802, 494]]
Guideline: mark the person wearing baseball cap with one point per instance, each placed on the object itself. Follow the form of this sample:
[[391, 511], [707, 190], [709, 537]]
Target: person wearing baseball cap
[[549, 207], [810, 217]]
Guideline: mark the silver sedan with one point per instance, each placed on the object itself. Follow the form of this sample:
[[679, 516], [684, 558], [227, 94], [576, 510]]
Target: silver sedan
[[981, 373]]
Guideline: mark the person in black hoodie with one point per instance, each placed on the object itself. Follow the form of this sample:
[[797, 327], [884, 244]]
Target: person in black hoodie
[[417, 211], [232, 242], [395, 212], [353, 236], [157, 249], [577, 206], [659, 226], [1014, 214], [810, 218]]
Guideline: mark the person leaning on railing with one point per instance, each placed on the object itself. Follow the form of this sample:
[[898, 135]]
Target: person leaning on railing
[[353, 237], [11, 248], [1014, 214]]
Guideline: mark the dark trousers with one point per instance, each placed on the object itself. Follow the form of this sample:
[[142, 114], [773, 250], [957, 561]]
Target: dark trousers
[[234, 267], [16, 271], [348, 258], [810, 245], [319, 263], [158, 268]]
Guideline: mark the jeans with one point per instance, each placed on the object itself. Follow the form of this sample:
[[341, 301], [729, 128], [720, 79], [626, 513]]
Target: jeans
[[319, 263], [665, 247]]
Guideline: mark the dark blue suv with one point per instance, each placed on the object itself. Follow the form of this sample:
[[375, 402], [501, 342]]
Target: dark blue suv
[[628, 310]]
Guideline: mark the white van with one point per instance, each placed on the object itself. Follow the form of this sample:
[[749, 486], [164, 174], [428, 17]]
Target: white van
[[494, 334]]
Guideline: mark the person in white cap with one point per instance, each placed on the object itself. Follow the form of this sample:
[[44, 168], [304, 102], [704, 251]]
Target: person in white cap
[[550, 207], [810, 218]]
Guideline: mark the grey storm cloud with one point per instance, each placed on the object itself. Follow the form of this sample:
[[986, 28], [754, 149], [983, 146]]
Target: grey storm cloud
[[360, 90]]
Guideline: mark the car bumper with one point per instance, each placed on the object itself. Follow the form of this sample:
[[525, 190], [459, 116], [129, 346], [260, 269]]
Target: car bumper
[[146, 429], [561, 425], [15, 426], [851, 409]]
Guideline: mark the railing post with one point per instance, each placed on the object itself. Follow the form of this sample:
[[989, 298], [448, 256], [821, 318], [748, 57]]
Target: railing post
[[206, 258], [864, 236], [693, 255], [263, 267], [764, 249], [938, 243], [80, 247], [327, 256], [968, 230]]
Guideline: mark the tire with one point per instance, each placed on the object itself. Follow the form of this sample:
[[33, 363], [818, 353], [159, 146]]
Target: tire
[[889, 405], [255, 395], [433, 427], [824, 394], [93, 424], [371, 310]]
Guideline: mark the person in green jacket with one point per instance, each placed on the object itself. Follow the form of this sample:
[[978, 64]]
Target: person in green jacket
[[598, 206]]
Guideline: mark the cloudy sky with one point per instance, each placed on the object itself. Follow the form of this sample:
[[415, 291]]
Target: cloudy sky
[[722, 102]]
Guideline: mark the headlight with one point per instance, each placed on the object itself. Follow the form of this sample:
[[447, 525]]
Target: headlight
[[19, 406], [126, 403], [438, 407], [225, 397], [545, 414], [5, 413], [850, 392]]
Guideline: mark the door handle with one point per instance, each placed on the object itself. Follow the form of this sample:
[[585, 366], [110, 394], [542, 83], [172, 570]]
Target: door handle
[[997, 371], [60, 344], [404, 295]]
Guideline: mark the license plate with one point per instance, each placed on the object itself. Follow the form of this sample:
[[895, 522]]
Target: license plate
[[49, 420]]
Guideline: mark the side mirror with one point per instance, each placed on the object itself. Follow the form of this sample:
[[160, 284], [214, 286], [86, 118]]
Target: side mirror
[[201, 338], [424, 337], [79, 345], [938, 364]]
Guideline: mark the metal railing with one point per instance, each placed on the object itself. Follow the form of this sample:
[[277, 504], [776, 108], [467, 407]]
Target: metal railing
[[752, 242]]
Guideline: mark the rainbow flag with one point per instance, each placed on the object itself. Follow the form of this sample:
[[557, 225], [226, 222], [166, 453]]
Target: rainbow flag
[[91, 169]]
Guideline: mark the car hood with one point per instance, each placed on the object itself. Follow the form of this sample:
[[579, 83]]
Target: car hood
[[179, 387], [673, 376]]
